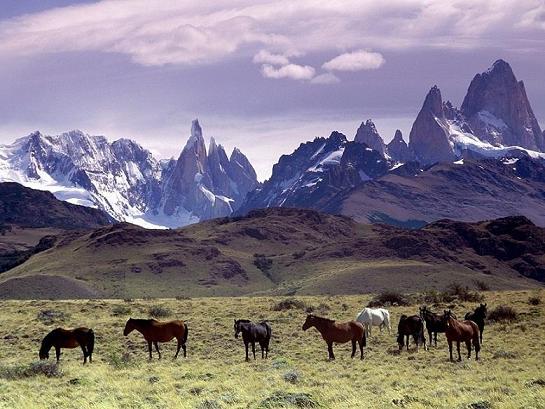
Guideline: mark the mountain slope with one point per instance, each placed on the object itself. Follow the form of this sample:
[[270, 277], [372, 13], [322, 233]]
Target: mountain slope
[[283, 250]]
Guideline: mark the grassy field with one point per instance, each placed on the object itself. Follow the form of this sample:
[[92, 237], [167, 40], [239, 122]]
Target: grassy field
[[511, 373]]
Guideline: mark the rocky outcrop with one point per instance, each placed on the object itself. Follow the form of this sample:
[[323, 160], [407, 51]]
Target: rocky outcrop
[[429, 134], [367, 134], [398, 149], [498, 109]]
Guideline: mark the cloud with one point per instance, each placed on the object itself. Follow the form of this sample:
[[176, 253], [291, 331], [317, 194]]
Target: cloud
[[264, 56], [355, 61], [291, 71], [189, 33], [327, 78]]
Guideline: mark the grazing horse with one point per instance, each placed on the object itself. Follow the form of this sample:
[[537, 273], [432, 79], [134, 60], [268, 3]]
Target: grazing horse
[[252, 333], [478, 316], [434, 323], [156, 331], [339, 333], [69, 338], [379, 317], [461, 331], [408, 326]]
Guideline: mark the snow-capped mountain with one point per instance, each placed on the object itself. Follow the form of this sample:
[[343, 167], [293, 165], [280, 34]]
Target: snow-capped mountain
[[126, 181]]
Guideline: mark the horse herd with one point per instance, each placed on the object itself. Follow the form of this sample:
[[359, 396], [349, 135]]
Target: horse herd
[[469, 331]]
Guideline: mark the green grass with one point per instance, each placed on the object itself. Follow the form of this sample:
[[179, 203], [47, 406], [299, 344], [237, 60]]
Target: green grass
[[510, 374]]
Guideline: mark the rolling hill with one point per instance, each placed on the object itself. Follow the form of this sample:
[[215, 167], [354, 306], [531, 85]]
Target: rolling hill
[[281, 251]]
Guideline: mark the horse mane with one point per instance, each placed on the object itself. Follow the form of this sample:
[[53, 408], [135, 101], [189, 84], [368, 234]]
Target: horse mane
[[244, 321], [323, 319], [143, 321]]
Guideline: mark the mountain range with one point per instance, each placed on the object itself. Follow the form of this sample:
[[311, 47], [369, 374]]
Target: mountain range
[[127, 182], [480, 161]]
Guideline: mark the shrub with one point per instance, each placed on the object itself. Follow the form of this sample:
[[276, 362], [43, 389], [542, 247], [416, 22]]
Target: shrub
[[463, 293], [320, 309], [481, 285], [48, 369], [289, 304], [120, 361], [503, 313], [283, 399], [262, 262], [209, 404], [291, 377], [121, 310], [48, 317], [387, 298], [536, 300], [158, 311]]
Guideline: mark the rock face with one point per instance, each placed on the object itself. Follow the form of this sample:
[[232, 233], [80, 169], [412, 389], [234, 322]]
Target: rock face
[[498, 110], [399, 150], [126, 181], [367, 134], [317, 171], [429, 133]]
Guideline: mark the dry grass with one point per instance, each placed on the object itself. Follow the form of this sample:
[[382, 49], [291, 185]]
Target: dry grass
[[297, 374]]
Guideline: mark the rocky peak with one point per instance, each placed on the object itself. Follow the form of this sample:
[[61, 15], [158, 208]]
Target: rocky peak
[[398, 149], [498, 109], [429, 134], [367, 133]]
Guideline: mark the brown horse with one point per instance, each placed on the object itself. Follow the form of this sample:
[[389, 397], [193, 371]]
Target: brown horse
[[69, 338], [461, 331], [156, 331], [339, 333]]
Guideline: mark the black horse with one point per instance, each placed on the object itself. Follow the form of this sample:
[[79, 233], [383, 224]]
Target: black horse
[[408, 326], [252, 333], [478, 316], [434, 323], [69, 338]]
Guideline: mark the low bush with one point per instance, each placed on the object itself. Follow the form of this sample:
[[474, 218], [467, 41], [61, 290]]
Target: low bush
[[536, 300], [285, 399], [388, 298], [289, 304], [463, 293], [48, 317], [503, 313], [120, 361], [481, 285], [158, 311], [48, 369], [118, 310]]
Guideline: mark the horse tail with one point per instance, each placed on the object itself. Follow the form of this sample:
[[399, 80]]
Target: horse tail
[[269, 330], [91, 342], [184, 338], [364, 338], [387, 320]]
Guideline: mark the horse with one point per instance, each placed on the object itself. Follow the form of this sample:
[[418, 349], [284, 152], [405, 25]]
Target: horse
[[339, 333], [69, 338], [252, 333], [478, 316], [378, 317], [156, 331], [434, 323], [461, 331], [408, 326]]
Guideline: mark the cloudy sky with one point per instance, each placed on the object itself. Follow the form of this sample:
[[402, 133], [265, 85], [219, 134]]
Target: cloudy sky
[[263, 75]]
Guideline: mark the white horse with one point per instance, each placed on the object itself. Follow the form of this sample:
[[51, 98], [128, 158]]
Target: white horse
[[378, 317]]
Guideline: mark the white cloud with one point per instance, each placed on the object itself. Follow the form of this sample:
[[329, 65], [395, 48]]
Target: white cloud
[[183, 32], [355, 61], [265, 57], [327, 78], [291, 71]]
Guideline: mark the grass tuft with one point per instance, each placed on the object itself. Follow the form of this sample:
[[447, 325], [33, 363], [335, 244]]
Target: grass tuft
[[387, 298], [282, 399], [158, 311], [48, 369], [503, 313]]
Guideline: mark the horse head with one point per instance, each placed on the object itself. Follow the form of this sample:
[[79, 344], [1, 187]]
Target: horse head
[[129, 327], [481, 309], [423, 311], [236, 327], [309, 322], [44, 349]]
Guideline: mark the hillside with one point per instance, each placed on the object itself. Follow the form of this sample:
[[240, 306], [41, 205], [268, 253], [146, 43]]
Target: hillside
[[284, 251]]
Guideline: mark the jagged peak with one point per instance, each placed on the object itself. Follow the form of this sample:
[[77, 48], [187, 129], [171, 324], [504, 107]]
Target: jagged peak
[[398, 136], [196, 130], [499, 66], [434, 101]]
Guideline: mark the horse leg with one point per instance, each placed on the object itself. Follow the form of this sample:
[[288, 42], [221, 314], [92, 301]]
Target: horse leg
[[253, 348], [450, 350], [262, 350], [149, 349], [477, 347], [468, 346], [84, 353], [246, 347], [435, 337], [330, 350], [458, 349], [481, 333], [407, 344], [157, 349], [430, 335], [58, 353], [353, 348], [267, 349], [178, 348], [360, 341]]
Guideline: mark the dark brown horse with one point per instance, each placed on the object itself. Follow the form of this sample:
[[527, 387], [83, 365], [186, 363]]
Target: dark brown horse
[[461, 331], [410, 326], [339, 333], [252, 333], [478, 316], [434, 323], [69, 338], [156, 331]]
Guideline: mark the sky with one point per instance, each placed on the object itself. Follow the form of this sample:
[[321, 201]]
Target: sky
[[262, 75]]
